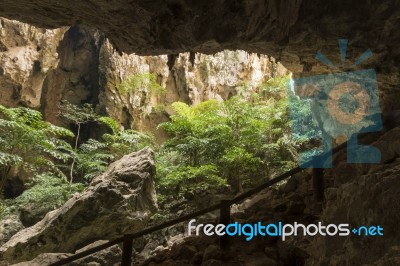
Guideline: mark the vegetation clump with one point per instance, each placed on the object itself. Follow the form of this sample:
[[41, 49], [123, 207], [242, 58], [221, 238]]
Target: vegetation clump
[[237, 142], [233, 144], [141, 81]]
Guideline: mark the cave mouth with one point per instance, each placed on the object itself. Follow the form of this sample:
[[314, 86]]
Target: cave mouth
[[292, 32]]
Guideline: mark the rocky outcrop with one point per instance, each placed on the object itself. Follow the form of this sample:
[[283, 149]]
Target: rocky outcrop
[[40, 67], [27, 54], [75, 78], [108, 256], [9, 225], [363, 195], [192, 78], [290, 31], [79, 65], [117, 202]]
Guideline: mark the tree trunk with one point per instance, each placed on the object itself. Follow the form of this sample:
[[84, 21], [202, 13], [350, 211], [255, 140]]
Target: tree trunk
[[235, 183], [71, 173]]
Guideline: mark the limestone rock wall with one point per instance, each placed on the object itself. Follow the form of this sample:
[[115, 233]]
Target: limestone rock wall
[[191, 78], [27, 55], [40, 67]]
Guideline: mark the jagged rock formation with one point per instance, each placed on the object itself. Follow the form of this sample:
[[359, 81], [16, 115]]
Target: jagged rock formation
[[108, 256], [290, 31], [27, 54], [192, 78], [39, 67], [79, 65], [9, 226], [117, 202]]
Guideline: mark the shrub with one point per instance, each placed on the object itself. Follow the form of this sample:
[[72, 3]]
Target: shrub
[[28, 142], [46, 192]]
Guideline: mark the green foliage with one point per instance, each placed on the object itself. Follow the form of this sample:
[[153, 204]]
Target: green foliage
[[239, 158], [28, 142], [274, 87], [94, 156], [50, 190], [176, 179], [141, 81], [188, 178], [110, 123], [244, 141], [46, 191], [77, 114]]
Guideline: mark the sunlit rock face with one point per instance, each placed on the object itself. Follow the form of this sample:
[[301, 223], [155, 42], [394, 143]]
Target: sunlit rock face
[[27, 54], [290, 31], [39, 67], [190, 78], [78, 64], [118, 202]]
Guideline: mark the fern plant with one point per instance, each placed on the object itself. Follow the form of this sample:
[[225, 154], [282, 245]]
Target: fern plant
[[94, 156], [28, 142]]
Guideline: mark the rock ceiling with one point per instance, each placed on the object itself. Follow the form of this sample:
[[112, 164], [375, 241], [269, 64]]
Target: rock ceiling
[[289, 30]]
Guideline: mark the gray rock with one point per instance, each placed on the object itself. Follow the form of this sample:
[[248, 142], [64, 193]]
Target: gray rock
[[261, 260], [330, 193], [117, 202], [9, 225], [30, 214], [271, 252], [183, 251], [290, 185], [212, 252], [197, 258], [108, 256], [213, 262], [44, 259]]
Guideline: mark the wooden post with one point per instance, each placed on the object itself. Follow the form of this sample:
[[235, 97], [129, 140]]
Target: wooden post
[[127, 251], [318, 183], [224, 218]]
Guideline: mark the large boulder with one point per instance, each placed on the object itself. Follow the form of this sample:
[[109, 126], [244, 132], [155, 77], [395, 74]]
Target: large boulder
[[117, 202]]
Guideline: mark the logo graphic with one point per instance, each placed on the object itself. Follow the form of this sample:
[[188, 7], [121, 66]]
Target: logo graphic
[[280, 229], [335, 106]]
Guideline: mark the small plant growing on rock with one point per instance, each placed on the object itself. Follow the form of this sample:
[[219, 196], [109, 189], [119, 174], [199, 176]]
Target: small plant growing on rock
[[141, 81], [46, 192]]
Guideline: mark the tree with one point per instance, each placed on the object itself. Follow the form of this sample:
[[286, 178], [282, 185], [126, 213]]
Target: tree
[[78, 115], [243, 138]]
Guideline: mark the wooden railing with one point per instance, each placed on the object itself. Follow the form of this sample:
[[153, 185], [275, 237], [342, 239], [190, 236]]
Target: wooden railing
[[223, 206]]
